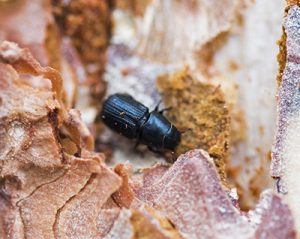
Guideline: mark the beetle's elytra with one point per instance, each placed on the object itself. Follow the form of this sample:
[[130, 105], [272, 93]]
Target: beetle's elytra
[[123, 114]]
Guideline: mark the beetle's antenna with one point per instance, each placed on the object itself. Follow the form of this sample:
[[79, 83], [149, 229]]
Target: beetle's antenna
[[185, 130], [164, 110]]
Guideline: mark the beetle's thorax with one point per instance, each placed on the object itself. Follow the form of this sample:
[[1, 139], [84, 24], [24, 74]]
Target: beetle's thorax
[[157, 132]]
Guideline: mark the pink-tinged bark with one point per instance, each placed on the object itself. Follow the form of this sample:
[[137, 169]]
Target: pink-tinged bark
[[191, 195]]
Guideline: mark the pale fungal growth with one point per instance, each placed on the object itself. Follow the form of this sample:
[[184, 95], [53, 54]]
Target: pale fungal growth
[[10, 51], [286, 151]]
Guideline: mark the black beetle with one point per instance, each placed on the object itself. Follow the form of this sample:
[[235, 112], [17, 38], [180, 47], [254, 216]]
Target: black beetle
[[123, 114]]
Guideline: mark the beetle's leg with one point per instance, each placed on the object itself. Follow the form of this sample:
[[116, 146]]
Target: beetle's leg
[[157, 105], [162, 110], [154, 150], [137, 143], [173, 156]]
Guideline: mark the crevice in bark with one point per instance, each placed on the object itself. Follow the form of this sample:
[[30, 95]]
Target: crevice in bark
[[55, 224]]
